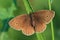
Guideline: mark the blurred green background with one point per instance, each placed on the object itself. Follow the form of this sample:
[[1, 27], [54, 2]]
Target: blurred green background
[[12, 8]]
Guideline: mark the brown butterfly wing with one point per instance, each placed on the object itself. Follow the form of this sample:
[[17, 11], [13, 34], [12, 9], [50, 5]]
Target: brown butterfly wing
[[27, 27], [17, 22], [42, 18], [22, 22], [40, 27], [45, 15]]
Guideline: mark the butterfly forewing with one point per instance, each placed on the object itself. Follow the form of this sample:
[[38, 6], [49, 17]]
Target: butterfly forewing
[[45, 15], [17, 22]]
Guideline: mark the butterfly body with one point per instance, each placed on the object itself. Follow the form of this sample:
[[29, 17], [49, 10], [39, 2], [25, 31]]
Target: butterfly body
[[33, 22]]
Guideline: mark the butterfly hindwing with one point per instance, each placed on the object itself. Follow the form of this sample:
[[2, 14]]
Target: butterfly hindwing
[[27, 27], [40, 26]]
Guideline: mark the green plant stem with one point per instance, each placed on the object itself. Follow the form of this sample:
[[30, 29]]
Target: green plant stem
[[39, 36], [52, 28], [3, 36], [27, 6], [29, 10]]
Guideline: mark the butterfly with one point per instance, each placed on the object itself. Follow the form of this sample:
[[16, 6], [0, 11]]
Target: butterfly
[[33, 22]]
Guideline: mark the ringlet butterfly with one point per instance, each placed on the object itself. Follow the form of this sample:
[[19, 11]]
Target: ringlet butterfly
[[33, 22]]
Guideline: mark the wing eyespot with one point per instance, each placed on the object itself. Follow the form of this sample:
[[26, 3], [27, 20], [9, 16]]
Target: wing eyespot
[[47, 16], [16, 23]]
